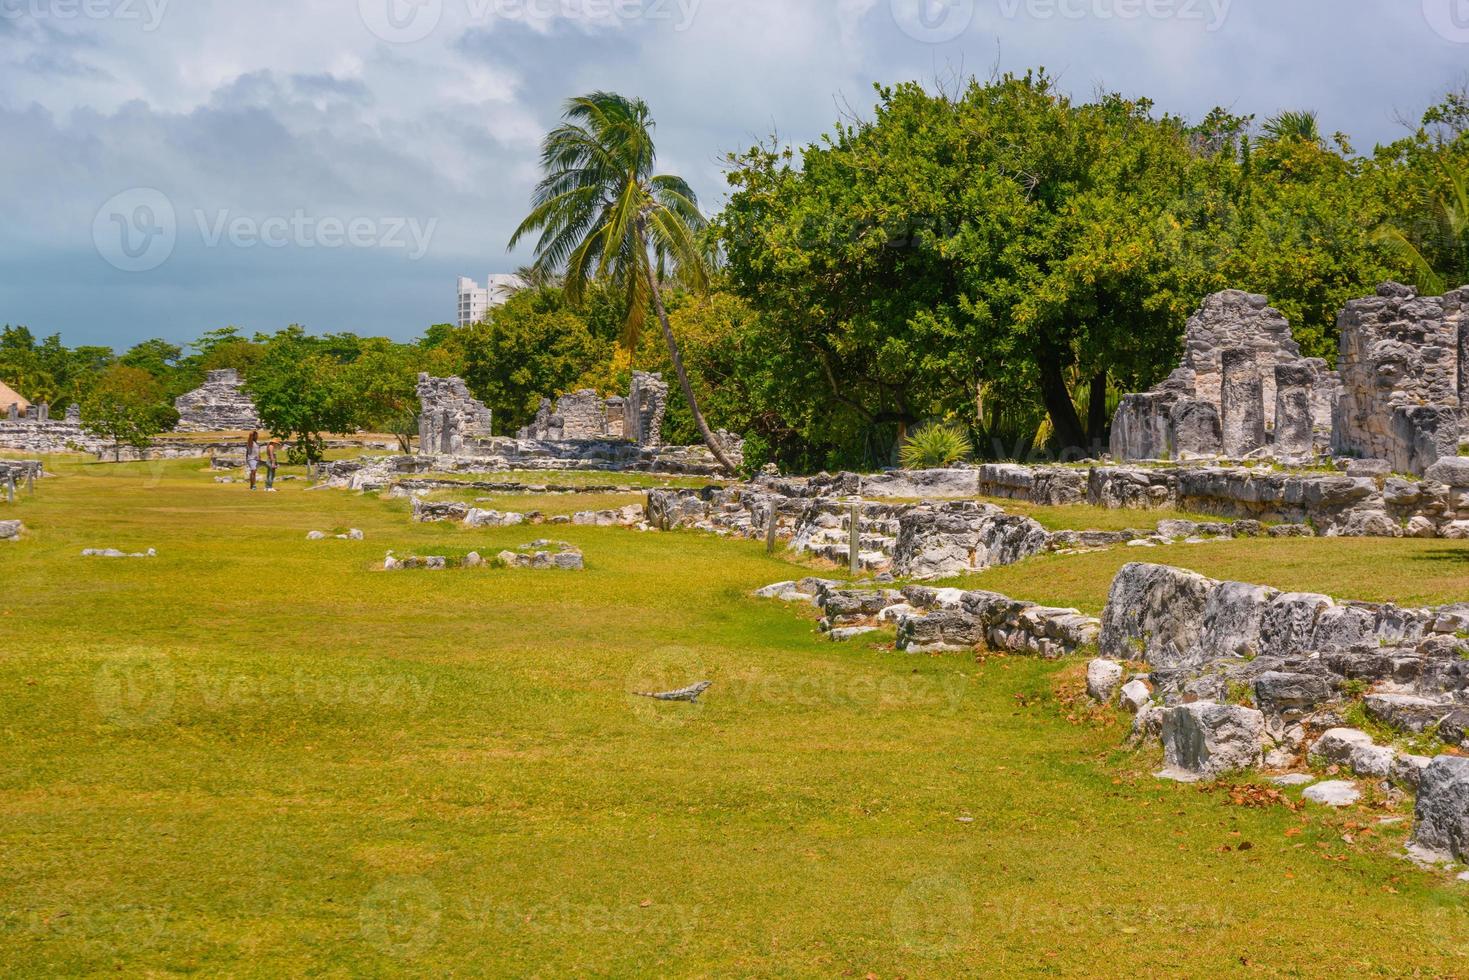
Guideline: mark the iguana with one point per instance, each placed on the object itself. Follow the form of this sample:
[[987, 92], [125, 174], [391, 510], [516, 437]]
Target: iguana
[[689, 694]]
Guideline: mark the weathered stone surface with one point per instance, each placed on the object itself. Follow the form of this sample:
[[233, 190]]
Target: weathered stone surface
[[1206, 740], [1135, 696], [1295, 432], [11, 530], [952, 539], [1400, 376], [114, 553], [1335, 793], [1233, 613], [219, 405], [1242, 402], [1291, 694], [1442, 815], [923, 484], [1354, 750], [449, 416], [1154, 613], [1103, 680], [1406, 712], [1407, 770]]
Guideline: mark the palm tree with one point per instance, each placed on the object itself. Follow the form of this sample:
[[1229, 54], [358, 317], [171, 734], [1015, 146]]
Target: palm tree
[[1300, 125], [601, 212], [1450, 234]]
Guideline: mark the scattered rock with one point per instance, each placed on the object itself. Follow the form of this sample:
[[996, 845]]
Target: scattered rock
[[1135, 696], [1205, 740], [843, 633], [10, 530], [114, 553], [1405, 712], [1337, 793], [1103, 680], [1442, 813], [1294, 779], [1407, 770], [1354, 750]]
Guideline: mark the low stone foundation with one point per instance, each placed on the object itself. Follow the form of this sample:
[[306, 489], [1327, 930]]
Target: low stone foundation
[[944, 620]]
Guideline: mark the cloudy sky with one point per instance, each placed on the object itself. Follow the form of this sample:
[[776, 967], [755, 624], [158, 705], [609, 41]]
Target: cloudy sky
[[170, 166]]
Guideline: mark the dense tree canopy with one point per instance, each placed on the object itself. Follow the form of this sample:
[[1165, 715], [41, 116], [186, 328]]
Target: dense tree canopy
[[1000, 257]]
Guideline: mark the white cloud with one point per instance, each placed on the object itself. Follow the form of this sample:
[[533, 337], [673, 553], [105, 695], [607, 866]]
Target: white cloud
[[267, 107]]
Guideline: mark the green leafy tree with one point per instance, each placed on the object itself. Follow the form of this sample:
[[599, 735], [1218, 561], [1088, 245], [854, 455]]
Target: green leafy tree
[[302, 392], [127, 406], [601, 212], [536, 345]]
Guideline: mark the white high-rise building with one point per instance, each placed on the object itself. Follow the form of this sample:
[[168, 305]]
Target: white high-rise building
[[475, 301]]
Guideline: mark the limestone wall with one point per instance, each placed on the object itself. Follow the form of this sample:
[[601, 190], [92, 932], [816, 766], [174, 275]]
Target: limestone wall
[[1401, 370], [449, 416], [36, 431]]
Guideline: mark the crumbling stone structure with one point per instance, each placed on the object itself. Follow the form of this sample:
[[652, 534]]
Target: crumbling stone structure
[[1404, 365], [1226, 397], [35, 431], [219, 405], [643, 411], [450, 416], [585, 415]]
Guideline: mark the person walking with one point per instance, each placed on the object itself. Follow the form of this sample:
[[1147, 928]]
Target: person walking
[[272, 460], [252, 456]]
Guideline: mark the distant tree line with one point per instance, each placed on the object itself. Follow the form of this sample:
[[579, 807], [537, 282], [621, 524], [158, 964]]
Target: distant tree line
[[1000, 258]]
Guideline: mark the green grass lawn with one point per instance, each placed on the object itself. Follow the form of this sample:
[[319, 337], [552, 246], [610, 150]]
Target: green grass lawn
[[256, 755]]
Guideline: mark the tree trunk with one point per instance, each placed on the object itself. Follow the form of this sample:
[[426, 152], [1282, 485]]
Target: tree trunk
[[1057, 399], [674, 355], [1096, 427]]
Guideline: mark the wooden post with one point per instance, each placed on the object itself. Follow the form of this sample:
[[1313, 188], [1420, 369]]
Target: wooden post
[[771, 527], [854, 540]]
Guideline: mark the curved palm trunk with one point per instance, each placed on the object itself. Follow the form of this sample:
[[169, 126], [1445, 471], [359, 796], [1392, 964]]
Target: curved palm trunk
[[710, 440]]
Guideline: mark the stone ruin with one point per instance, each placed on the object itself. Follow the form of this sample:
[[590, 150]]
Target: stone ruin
[[36, 431], [450, 416], [219, 405], [583, 432], [1244, 391], [1404, 363], [585, 415], [1243, 387]]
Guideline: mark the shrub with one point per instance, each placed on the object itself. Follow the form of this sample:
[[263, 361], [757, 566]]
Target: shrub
[[935, 446]]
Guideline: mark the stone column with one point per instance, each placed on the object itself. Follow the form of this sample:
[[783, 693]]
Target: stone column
[[14, 412], [1242, 395], [1295, 433], [1196, 428], [74, 413], [44, 414]]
